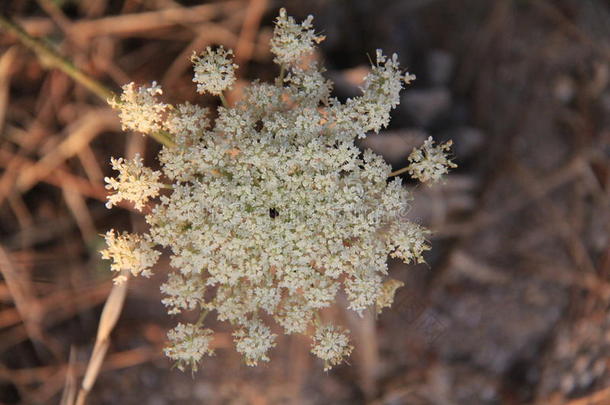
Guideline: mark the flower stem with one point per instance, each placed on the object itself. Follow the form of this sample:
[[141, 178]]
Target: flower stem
[[164, 138], [202, 317], [225, 104], [399, 171], [52, 59]]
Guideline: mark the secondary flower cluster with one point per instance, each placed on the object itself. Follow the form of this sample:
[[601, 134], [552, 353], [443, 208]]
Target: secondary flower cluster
[[271, 210]]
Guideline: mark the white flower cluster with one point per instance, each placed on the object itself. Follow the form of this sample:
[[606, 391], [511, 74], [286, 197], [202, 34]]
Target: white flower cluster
[[189, 343], [138, 108], [430, 162], [253, 340], [291, 41], [135, 183], [130, 252], [271, 210], [214, 70], [331, 344]]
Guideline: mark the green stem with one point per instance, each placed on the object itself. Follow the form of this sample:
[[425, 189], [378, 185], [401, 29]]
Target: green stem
[[318, 319], [163, 138], [53, 59], [224, 101], [49, 56], [202, 317]]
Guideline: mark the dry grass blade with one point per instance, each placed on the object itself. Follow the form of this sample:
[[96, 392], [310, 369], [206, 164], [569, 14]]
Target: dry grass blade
[[93, 369], [367, 350], [153, 20], [6, 63], [53, 59], [69, 393], [245, 45], [77, 204], [56, 307], [110, 315], [90, 165], [56, 178], [112, 310], [87, 128], [25, 302]]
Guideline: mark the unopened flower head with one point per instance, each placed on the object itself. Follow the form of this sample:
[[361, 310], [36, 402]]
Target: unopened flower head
[[271, 210]]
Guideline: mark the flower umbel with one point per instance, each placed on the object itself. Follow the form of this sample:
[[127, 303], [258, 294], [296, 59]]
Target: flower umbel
[[130, 252], [214, 70], [430, 162], [331, 344], [291, 41], [270, 210], [189, 343], [135, 183], [139, 109], [254, 340]]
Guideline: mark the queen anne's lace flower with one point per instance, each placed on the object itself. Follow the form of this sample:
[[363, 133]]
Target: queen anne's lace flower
[[214, 70], [271, 210], [254, 340], [291, 41], [408, 242], [130, 252], [187, 123], [189, 343], [430, 162], [139, 108], [135, 183], [331, 344], [182, 293]]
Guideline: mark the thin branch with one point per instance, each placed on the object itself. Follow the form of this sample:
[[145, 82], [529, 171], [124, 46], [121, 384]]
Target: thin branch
[[399, 171], [50, 57], [53, 59]]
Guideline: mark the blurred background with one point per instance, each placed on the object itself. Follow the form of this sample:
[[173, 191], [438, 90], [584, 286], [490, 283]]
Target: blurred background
[[513, 305]]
